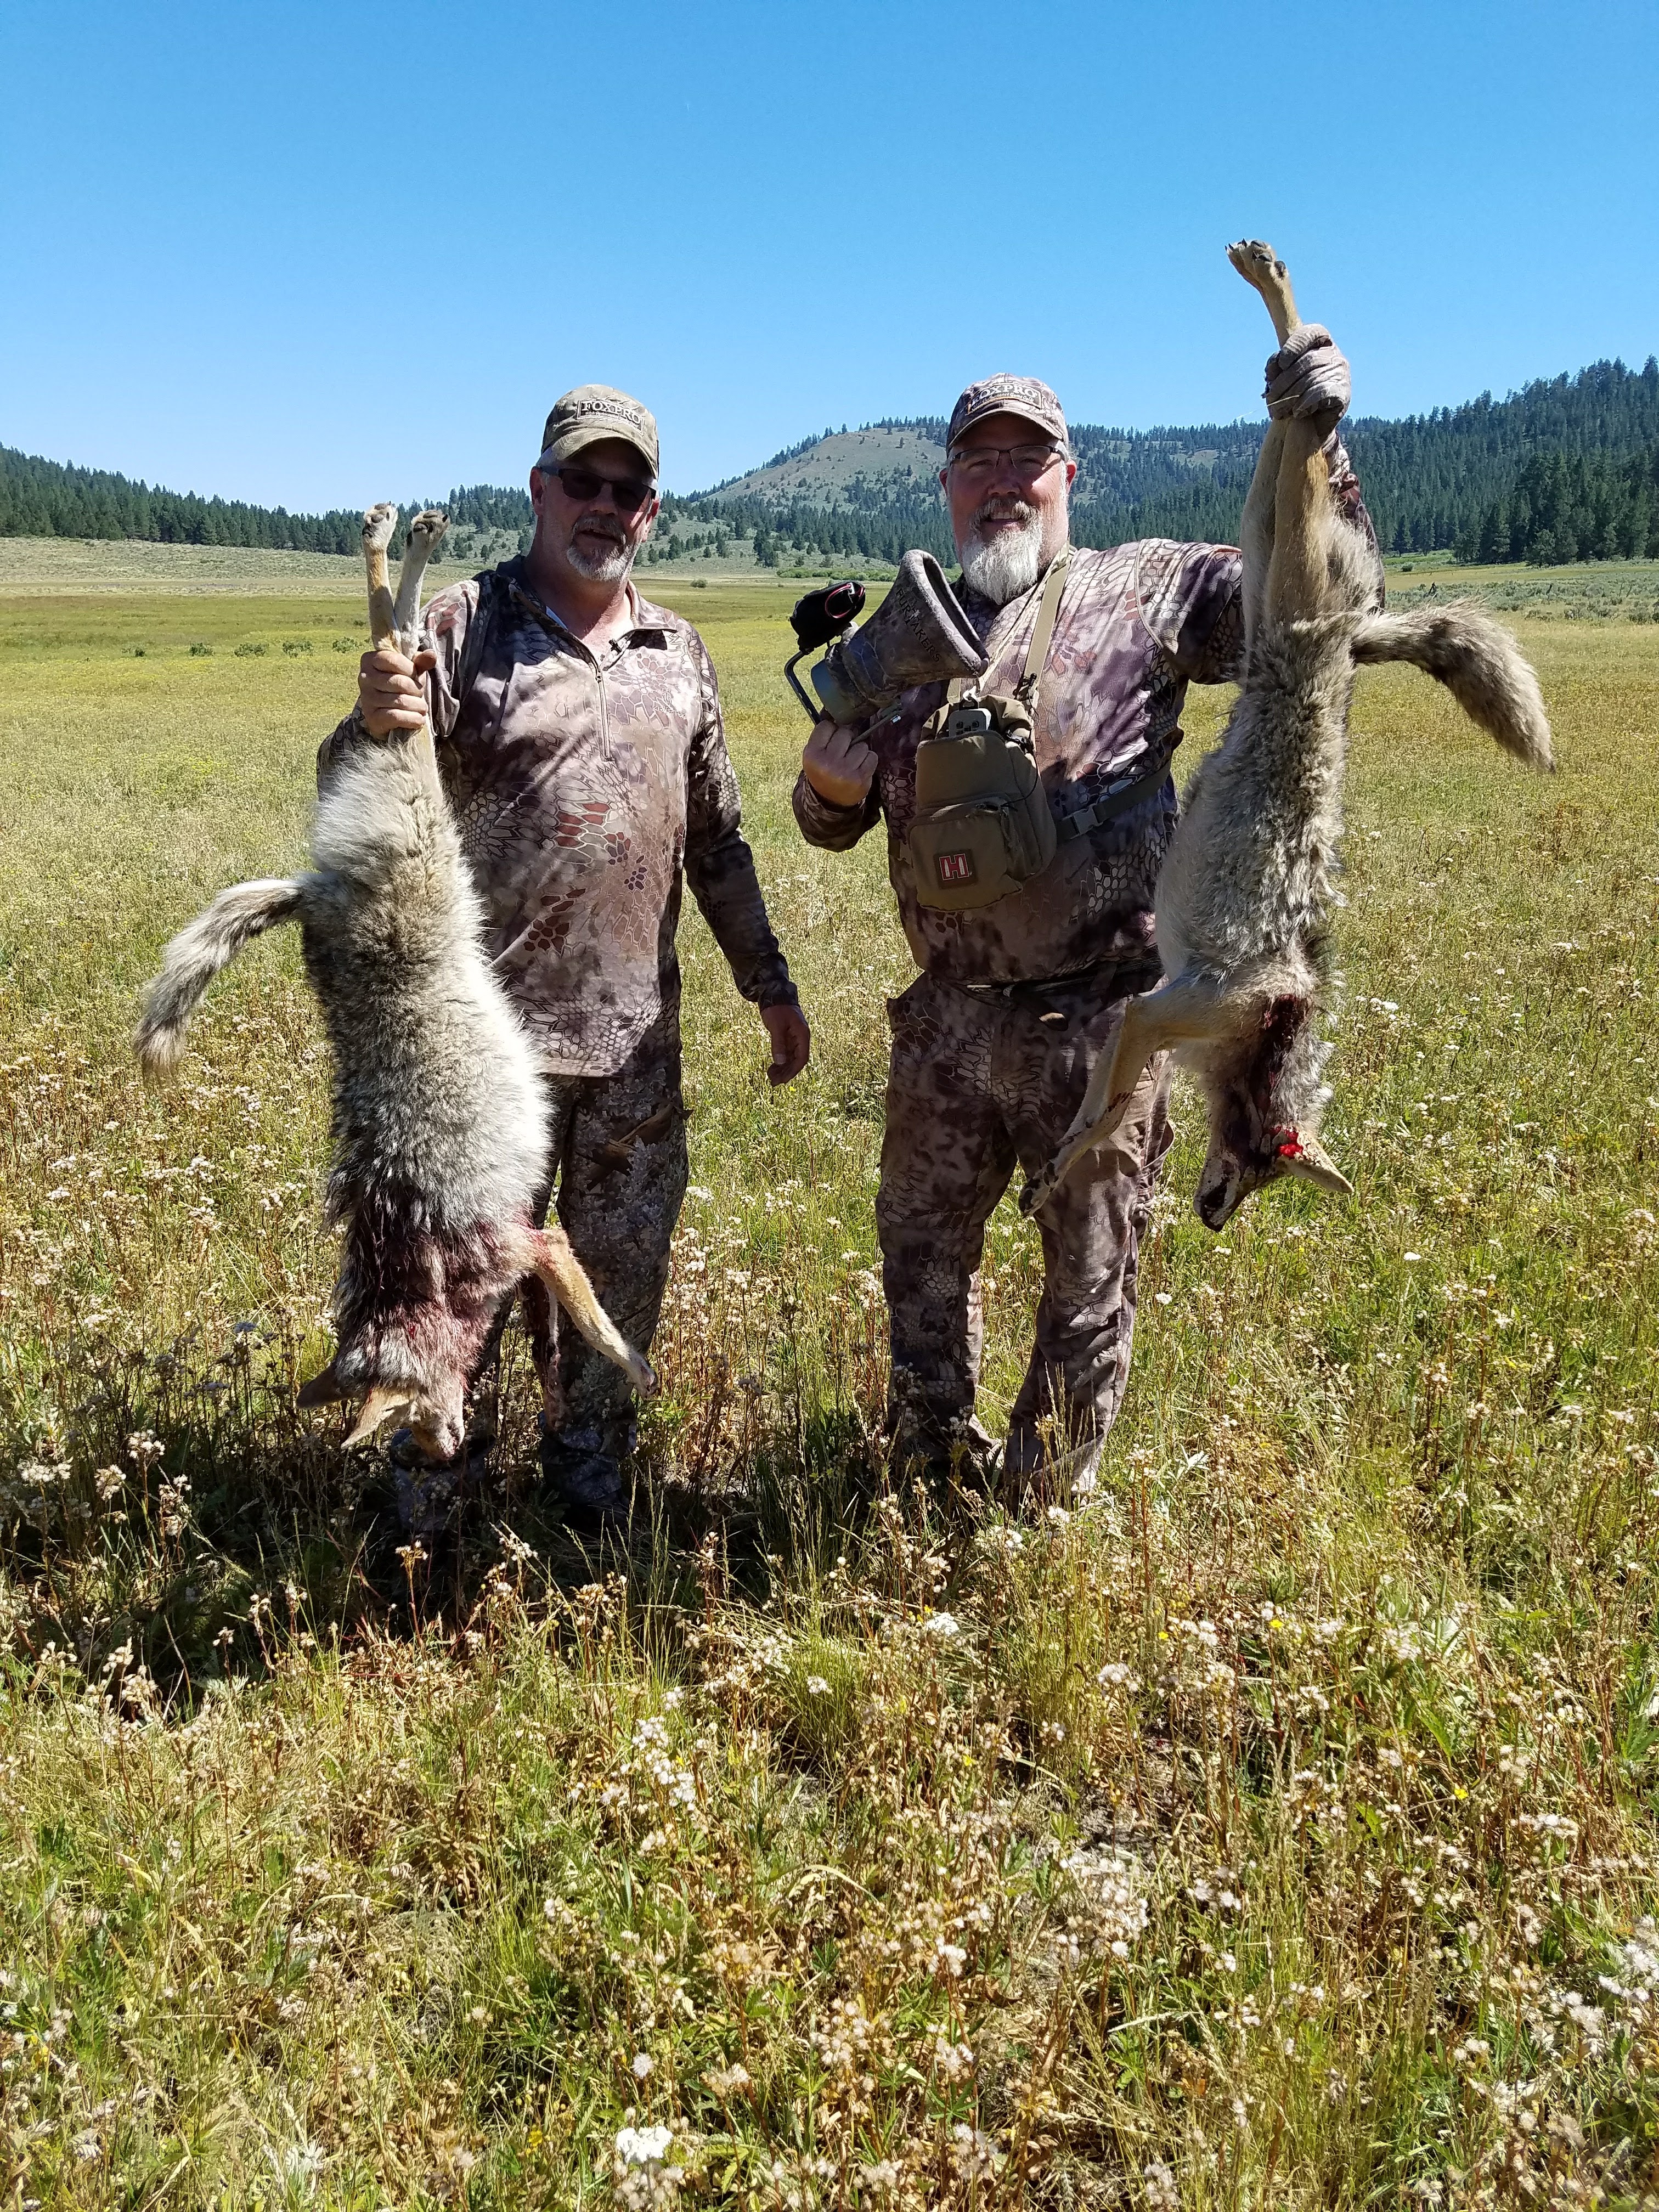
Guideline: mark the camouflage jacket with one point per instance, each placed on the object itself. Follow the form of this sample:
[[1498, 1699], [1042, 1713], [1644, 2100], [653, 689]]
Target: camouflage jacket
[[582, 789], [1136, 625]]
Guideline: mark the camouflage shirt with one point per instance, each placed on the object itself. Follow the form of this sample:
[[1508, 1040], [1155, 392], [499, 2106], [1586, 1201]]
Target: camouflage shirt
[[582, 789], [1136, 625]]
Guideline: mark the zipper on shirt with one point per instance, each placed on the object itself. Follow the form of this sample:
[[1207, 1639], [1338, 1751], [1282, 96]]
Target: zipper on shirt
[[599, 680]]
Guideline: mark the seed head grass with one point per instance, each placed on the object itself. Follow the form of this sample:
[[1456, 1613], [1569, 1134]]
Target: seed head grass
[[1276, 1823]]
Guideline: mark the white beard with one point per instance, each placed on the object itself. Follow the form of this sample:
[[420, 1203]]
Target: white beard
[[608, 567], [1008, 566]]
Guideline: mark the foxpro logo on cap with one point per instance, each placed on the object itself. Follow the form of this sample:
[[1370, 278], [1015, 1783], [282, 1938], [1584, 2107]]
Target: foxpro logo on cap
[[956, 867], [596, 411]]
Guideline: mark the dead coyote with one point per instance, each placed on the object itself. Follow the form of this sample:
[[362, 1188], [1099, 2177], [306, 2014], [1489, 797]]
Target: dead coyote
[[440, 1119], [1244, 891]]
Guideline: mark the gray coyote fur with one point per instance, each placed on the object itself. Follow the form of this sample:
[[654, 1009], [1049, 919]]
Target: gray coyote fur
[[441, 1132], [1244, 889]]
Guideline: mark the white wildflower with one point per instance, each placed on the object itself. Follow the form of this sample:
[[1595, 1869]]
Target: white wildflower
[[640, 2180], [975, 2156], [1158, 2185]]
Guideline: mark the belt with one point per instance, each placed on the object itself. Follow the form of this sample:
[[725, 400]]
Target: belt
[[1120, 794], [1147, 969]]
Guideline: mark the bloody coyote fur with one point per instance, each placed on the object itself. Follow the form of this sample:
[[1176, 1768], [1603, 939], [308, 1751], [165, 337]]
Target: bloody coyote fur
[[1242, 895], [439, 1118]]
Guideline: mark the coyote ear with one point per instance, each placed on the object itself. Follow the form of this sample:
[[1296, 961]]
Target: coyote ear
[[381, 1401], [322, 1389], [1314, 1164]]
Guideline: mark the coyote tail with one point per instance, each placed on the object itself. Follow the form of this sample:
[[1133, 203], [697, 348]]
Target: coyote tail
[[195, 957], [1479, 663]]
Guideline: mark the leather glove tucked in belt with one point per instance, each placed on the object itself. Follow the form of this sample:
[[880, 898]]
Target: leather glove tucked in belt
[[1308, 377]]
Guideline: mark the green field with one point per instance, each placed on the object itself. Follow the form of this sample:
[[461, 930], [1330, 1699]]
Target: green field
[[1277, 1828]]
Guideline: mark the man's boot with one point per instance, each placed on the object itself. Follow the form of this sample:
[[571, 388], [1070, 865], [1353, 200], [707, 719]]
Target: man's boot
[[589, 1481], [430, 1491], [960, 1453], [1039, 1472]]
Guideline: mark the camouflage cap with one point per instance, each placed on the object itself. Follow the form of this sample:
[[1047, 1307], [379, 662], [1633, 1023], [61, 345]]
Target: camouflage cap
[[593, 411], [1007, 395]]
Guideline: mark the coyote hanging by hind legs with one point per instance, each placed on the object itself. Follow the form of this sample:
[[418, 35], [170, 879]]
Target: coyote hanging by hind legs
[[1243, 893], [440, 1132]]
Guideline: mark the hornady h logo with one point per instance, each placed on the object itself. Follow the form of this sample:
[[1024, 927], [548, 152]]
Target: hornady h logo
[[956, 867]]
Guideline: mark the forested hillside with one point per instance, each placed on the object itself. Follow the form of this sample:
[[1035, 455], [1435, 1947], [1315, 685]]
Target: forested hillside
[[47, 499], [1566, 469], [1562, 469]]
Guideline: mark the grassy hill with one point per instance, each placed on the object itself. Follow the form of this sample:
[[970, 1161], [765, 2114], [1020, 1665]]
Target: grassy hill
[[890, 460]]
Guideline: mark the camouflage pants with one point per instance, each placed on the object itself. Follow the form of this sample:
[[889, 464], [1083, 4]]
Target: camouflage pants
[[979, 1084], [618, 1154]]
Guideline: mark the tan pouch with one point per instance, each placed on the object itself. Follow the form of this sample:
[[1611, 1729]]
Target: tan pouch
[[983, 826]]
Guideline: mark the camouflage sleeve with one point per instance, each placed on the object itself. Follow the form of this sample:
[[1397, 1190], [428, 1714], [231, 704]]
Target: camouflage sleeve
[[443, 633], [836, 828], [341, 742], [1190, 601], [719, 864], [1191, 598]]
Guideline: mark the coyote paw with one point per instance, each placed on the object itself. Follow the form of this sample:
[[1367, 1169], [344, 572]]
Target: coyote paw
[[1037, 1193], [378, 525], [643, 1376], [1259, 266], [1256, 261], [429, 526]]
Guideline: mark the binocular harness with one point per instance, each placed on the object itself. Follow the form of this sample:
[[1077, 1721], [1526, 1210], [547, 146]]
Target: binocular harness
[[982, 826]]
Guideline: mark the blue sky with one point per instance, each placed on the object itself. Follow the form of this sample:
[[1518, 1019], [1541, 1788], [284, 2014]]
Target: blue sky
[[319, 254]]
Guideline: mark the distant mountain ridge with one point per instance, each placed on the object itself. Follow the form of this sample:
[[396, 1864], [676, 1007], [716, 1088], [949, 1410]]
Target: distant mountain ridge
[[1566, 468]]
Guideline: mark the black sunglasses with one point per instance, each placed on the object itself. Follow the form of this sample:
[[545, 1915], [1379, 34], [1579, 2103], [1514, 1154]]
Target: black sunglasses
[[629, 493]]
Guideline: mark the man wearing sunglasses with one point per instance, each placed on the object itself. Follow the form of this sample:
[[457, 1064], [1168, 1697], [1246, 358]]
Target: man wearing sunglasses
[[581, 741], [994, 1042]]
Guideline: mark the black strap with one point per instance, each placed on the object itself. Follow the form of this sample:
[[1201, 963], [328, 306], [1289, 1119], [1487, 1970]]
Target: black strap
[[477, 632], [1123, 792], [1128, 975]]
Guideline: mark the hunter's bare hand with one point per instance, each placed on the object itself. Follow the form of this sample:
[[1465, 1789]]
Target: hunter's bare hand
[[792, 1042], [838, 763], [389, 692]]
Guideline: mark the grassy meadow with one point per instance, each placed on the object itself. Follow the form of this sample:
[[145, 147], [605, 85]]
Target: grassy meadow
[[1278, 1827]]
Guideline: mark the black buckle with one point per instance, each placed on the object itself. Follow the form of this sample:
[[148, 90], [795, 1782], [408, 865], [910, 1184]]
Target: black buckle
[[1117, 797]]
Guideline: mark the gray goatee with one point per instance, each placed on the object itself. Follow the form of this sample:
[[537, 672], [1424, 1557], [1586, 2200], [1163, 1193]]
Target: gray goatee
[[608, 565], [1005, 566]]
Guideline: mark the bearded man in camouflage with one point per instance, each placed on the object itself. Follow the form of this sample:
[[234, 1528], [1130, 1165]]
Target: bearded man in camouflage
[[994, 1042], [581, 741]]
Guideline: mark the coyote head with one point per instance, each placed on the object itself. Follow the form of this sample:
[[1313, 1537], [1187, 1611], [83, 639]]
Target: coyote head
[[436, 1419], [1261, 1104]]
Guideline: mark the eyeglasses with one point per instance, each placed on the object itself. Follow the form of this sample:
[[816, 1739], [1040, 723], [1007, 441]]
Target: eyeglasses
[[979, 464], [629, 493]]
